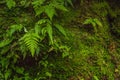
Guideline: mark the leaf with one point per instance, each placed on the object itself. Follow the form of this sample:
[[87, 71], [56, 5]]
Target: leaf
[[19, 70], [93, 24], [51, 49], [37, 4], [95, 77], [15, 27], [10, 3], [7, 74], [43, 31], [50, 11], [4, 43], [25, 30], [49, 30], [61, 29], [31, 40], [65, 54], [88, 21], [59, 6], [4, 62], [65, 50], [37, 29], [41, 21], [48, 74], [98, 22], [39, 10]]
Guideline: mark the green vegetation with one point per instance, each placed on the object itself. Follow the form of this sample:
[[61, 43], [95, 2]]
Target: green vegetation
[[59, 40]]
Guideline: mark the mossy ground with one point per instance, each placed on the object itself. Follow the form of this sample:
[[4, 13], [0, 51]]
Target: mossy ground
[[95, 54]]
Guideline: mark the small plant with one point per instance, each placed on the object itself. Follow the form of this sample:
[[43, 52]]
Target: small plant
[[95, 22]]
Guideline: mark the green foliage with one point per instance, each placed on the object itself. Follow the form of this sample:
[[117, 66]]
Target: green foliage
[[4, 43], [31, 40], [44, 40], [10, 3], [94, 22], [61, 29], [95, 77], [97, 25], [25, 33]]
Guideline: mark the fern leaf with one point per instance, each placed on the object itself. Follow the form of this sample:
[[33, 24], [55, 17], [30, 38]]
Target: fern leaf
[[37, 29], [59, 6], [39, 10], [42, 21], [98, 22], [31, 40], [88, 21], [38, 2], [4, 43], [93, 24], [49, 30], [61, 29], [37, 6], [95, 77], [13, 28], [43, 31], [50, 11]]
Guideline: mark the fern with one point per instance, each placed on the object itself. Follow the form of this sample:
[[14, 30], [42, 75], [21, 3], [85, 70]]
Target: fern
[[14, 28], [10, 32], [60, 29], [50, 32], [4, 43], [37, 4], [95, 77], [50, 11], [31, 40], [95, 22], [98, 22], [44, 26], [59, 6]]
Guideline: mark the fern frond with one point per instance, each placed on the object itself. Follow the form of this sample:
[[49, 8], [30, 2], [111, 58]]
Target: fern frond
[[50, 11], [50, 32], [38, 2], [60, 29], [31, 40], [59, 6], [4, 43], [98, 22], [14, 28], [37, 6]]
